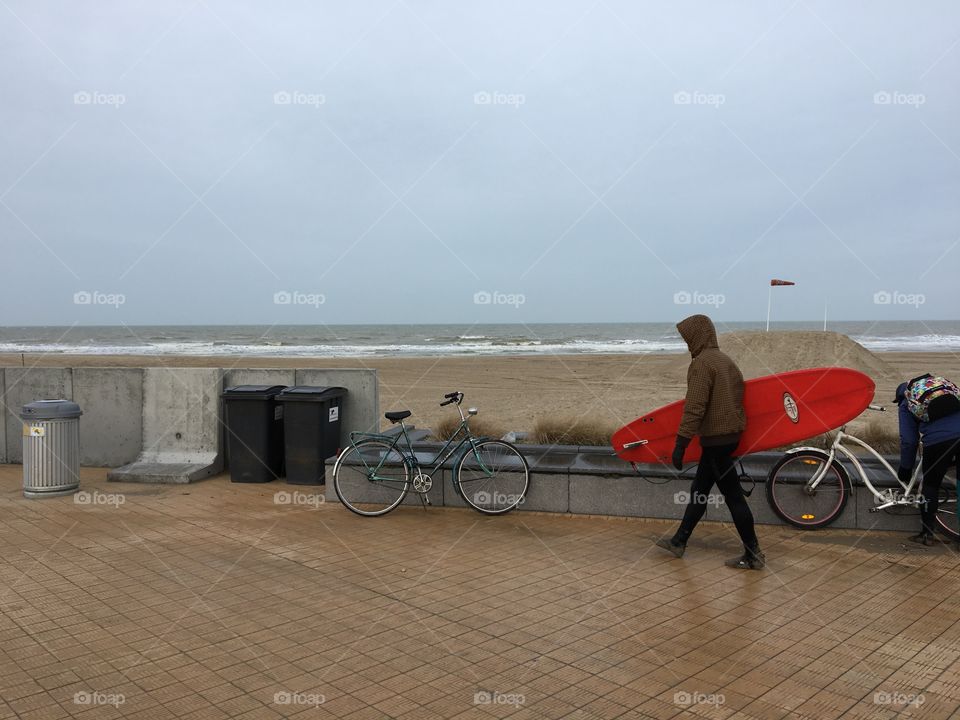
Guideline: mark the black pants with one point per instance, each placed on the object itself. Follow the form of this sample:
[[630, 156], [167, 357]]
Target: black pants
[[717, 468], [937, 460]]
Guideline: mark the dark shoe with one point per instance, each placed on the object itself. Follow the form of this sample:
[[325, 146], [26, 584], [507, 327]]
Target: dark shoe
[[670, 546], [750, 560], [923, 538]]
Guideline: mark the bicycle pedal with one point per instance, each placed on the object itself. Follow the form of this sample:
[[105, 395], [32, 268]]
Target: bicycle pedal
[[873, 510]]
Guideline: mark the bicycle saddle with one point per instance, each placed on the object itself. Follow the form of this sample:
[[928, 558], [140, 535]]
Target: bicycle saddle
[[397, 415]]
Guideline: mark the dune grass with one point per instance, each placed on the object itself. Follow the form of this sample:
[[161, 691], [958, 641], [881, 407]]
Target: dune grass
[[571, 431], [442, 429]]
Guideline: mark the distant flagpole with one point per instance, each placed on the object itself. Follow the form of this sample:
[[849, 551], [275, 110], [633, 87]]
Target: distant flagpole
[[824, 315], [774, 283]]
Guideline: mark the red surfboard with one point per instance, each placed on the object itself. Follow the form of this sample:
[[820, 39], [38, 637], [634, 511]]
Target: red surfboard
[[781, 409]]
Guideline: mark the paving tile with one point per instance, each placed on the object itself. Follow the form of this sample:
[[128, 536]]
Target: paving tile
[[212, 602]]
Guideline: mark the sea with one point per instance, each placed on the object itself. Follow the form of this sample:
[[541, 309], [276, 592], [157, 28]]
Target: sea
[[436, 340]]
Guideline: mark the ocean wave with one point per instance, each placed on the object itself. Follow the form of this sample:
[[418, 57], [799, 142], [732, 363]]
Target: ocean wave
[[910, 343]]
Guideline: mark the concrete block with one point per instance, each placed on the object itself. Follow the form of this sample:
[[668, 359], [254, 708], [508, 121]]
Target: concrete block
[[361, 409], [548, 492], [259, 376], [621, 496], [182, 432], [23, 385], [111, 429], [3, 421]]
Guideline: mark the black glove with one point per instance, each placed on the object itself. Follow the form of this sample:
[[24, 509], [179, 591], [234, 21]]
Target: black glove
[[678, 450], [904, 474]]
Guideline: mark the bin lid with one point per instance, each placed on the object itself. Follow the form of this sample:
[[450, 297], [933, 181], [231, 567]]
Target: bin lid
[[252, 392], [311, 393], [50, 410]]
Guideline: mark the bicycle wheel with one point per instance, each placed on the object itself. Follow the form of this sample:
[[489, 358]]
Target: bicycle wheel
[[947, 519], [492, 476], [371, 477], [794, 503]]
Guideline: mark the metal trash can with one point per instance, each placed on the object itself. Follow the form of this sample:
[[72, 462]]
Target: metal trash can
[[254, 424], [51, 448], [311, 430]]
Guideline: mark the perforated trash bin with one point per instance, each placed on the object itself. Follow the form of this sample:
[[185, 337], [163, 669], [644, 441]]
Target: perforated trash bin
[[254, 426], [311, 430], [51, 448]]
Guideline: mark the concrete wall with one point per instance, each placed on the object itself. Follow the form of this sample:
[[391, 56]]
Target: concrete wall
[[361, 411], [23, 385], [111, 428], [117, 426], [3, 418], [568, 479]]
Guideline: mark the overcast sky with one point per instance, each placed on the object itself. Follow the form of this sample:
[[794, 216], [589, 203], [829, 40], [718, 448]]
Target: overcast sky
[[409, 161]]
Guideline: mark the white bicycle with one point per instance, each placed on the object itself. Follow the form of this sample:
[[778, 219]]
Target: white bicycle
[[808, 488]]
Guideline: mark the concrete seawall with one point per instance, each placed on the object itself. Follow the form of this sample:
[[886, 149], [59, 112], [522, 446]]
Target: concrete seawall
[[593, 481], [166, 415]]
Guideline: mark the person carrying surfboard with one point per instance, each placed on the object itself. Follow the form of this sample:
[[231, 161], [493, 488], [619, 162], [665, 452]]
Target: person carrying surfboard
[[929, 410], [713, 410]]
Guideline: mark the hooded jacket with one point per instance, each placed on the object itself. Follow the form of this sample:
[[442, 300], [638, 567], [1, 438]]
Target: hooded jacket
[[714, 404]]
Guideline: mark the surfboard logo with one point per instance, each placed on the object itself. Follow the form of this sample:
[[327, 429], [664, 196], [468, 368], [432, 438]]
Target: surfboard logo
[[790, 407]]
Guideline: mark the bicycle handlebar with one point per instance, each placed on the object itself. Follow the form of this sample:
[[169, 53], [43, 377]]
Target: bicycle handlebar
[[878, 408], [454, 397]]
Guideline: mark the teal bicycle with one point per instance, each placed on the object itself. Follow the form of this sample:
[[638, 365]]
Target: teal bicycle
[[373, 475]]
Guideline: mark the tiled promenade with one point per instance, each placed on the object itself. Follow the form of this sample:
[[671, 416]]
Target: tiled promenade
[[219, 600]]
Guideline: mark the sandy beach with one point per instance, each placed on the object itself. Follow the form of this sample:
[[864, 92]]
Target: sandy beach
[[512, 393]]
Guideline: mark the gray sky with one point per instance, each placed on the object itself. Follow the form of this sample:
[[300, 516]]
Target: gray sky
[[410, 161]]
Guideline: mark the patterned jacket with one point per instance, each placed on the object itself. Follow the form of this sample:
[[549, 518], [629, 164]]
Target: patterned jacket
[[714, 404]]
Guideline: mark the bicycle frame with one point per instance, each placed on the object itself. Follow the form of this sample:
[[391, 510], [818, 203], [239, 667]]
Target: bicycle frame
[[449, 449], [837, 447]]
